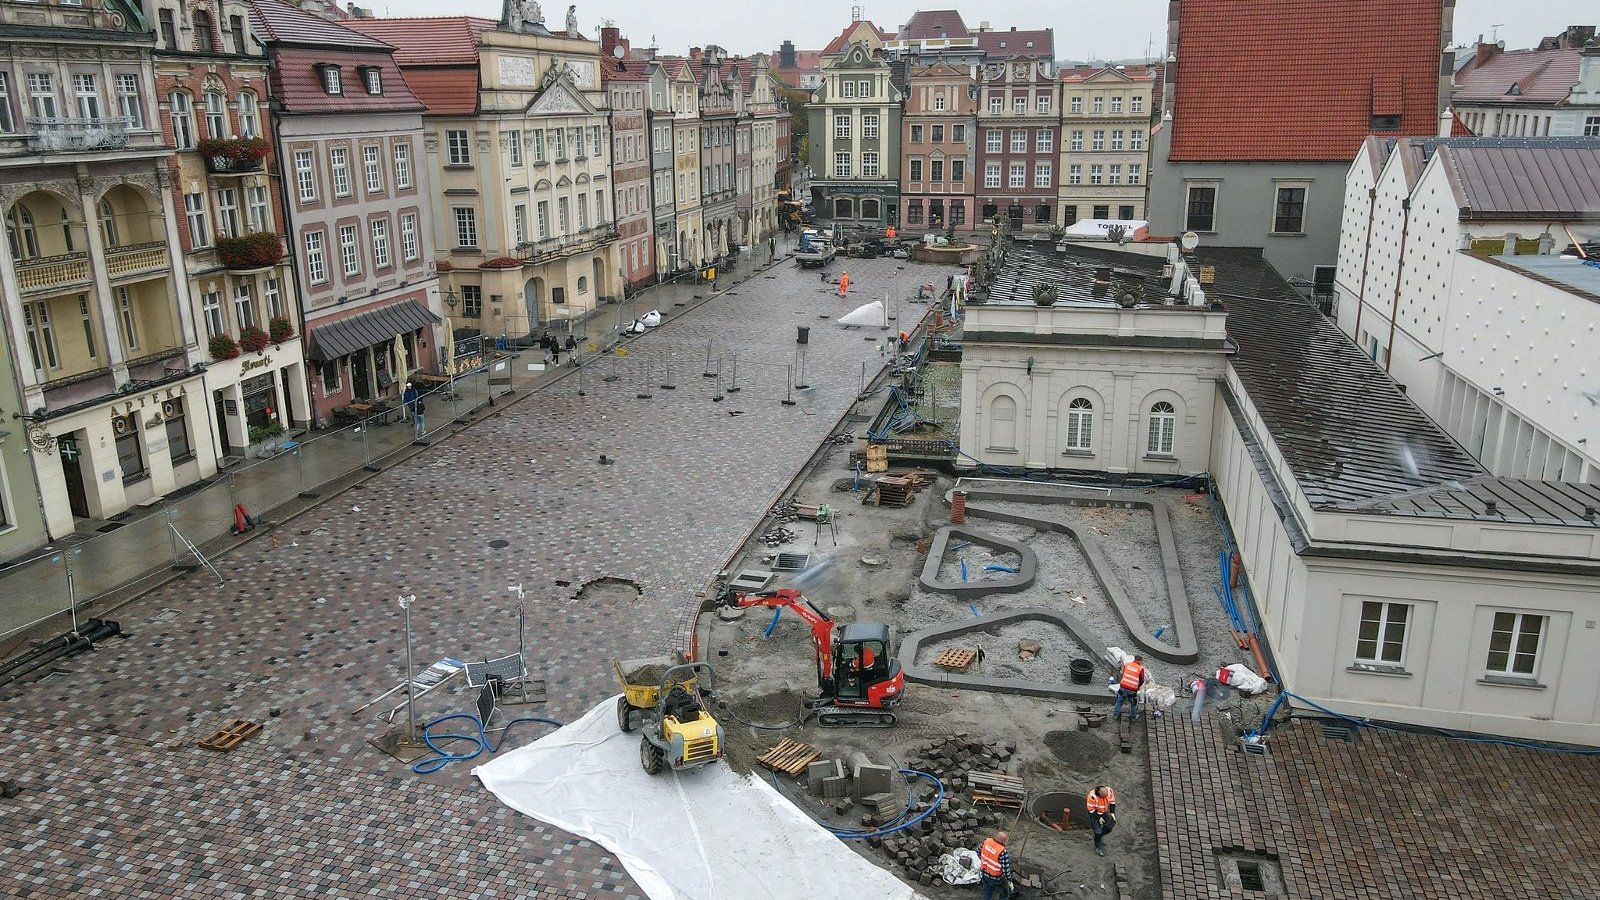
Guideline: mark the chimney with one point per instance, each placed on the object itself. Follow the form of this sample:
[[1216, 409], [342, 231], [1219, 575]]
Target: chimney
[[1447, 122], [786, 55], [695, 53], [1484, 53], [610, 39]]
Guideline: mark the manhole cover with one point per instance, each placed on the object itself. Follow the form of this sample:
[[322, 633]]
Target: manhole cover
[[608, 589], [499, 545]]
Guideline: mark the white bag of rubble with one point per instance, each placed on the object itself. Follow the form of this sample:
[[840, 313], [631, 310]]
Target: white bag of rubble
[[1241, 677], [873, 313], [1159, 696], [651, 319], [1117, 656], [959, 867]]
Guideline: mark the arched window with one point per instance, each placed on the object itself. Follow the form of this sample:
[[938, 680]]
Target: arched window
[[216, 116], [583, 284], [108, 223], [249, 116], [24, 239], [182, 120], [205, 40], [1003, 423], [1080, 424], [844, 208], [1163, 420], [869, 208]]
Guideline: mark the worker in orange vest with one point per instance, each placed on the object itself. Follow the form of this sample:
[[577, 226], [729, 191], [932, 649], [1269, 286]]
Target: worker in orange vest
[[994, 868], [1133, 677], [844, 283], [890, 232], [1102, 815]]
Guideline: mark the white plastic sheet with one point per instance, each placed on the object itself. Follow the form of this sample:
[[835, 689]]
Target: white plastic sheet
[[873, 313], [707, 834]]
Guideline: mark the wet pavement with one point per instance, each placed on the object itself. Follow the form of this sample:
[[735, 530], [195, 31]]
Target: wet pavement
[[117, 796]]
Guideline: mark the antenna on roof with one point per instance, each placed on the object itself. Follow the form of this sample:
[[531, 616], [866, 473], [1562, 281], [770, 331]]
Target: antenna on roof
[[1495, 36], [855, 13]]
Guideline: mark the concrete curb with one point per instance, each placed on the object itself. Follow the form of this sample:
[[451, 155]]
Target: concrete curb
[[1080, 631], [1027, 569]]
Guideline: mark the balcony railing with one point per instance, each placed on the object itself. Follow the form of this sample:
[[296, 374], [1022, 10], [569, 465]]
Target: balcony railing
[[52, 272], [138, 259], [556, 248], [225, 165], [79, 135]]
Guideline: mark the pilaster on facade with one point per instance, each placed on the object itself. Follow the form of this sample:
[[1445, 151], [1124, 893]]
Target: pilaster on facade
[[108, 363], [1019, 117], [1105, 147]]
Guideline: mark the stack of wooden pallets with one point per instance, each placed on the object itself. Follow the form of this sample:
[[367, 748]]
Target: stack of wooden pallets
[[996, 789]]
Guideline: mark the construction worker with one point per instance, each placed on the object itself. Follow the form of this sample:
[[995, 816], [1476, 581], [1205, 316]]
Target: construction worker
[[1133, 677], [1102, 815], [844, 283], [994, 868]]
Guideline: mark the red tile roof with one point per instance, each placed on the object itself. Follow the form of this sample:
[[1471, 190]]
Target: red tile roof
[[299, 41], [1313, 71], [837, 45], [1539, 76], [1016, 43], [1132, 73], [429, 41], [934, 23], [627, 70], [278, 22]]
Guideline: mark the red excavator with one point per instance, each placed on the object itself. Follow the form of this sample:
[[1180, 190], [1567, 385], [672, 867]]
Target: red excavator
[[859, 679]]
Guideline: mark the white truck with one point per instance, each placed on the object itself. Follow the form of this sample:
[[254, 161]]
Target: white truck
[[816, 248]]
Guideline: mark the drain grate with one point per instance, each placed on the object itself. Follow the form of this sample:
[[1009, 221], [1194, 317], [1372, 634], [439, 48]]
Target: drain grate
[[499, 544], [791, 562], [111, 526], [750, 580], [1338, 730]]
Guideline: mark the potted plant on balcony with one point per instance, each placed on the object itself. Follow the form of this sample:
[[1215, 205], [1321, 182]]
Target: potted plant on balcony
[[233, 154], [256, 250], [280, 329], [253, 340], [223, 347]]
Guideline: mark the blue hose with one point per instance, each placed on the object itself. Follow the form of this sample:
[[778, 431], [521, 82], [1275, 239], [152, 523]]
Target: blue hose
[[996, 567], [430, 764], [974, 608], [963, 570], [848, 835], [773, 624]]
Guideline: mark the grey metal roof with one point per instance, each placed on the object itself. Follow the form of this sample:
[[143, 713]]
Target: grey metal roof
[[363, 330], [1515, 178], [1512, 500], [1072, 271], [1570, 271]]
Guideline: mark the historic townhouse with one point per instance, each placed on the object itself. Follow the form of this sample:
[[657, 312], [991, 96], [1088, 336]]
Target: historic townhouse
[[762, 103], [938, 136], [517, 140], [663, 188], [743, 138], [625, 81], [719, 114], [1105, 154], [350, 136], [1019, 121], [855, 140], [108, 360], [690, 251], [783, 148]]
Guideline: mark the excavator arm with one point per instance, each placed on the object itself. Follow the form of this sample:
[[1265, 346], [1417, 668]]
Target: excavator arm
[[788, 598]]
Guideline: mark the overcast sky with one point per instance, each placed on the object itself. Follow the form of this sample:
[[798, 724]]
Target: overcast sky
[[1100, 29]]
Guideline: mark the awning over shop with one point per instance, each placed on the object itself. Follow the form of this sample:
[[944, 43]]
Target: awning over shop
[[357, 333]]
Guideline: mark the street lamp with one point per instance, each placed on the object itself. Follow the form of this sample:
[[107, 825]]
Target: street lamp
[[411, 688]]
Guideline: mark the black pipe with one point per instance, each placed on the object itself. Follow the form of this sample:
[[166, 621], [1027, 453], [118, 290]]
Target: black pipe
[[56, 649]]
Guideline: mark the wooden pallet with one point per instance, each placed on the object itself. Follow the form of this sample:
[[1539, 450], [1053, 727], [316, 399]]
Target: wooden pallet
[[958, 659], [895, 491], [877, 458], [987, 799], [790, 757], [230, 736]]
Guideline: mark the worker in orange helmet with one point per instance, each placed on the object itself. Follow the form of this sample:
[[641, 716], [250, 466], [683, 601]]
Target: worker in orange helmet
[[890, 232], [994, 868], [1133, 677], [1102, 804], [844, 283]]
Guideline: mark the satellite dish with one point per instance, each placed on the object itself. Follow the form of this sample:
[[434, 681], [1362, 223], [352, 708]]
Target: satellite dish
[[1189, 241], [617, 51]]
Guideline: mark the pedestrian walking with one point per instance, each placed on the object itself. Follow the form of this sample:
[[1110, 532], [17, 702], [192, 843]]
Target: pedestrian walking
[[994, 868], [417, 428], [1133, 677], [572, 344], [408, 399], [1102, 804], [555, 352]]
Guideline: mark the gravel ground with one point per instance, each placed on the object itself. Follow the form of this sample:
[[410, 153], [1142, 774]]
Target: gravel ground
[[1000, 651], [977, 557]]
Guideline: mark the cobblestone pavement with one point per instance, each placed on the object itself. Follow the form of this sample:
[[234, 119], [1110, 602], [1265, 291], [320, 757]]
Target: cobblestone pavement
[[118, 797]]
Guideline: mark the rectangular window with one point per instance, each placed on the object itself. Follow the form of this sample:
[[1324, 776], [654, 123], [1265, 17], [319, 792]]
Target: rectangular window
[[332, 380], [169, 29], [316, 261], [594, 141], [408, 236], [1289, 212], [460, 150], [869, 164], [1381, 638], [1019, 105], [869, 126], [129, 105], [514, 148], [841, 164], [1041, 175], [991, 140], [848, 89], [1019, 140], [958, 134], [211, 305], [1099, 104], [1045, 141], [1116, 139], [583, 212], [130, 323], [466, 226], [1138, 103], [194, 208], [41, 337], [1043, 103], [543, 211], [228, 213], [563, 216], [916, 170], [1514, 644], [349, 251], [42, 94], [1099, 140], [8, 122], [339, 162], [305, 175], [88, 325], [178, 430], [86, 90], [1077, 140], [1115, 174], [1136, 139], [937, 134], [1591, 126], [331, 81], [841, 126], [958, 170], [373, 79], [274, 297], [1096, 174], [380, 243], [244, 306], [373, 167], [402, 165], [1201, 208], [991, 175], [996, 105], [1135, 173], [1077, 106], [130, 456], [864, 88], [936, 170], [938, 102], [1019, 176], [216, 109], [519, 224], [536, 139], [1116, 104], [1125, 213], [259, 218]]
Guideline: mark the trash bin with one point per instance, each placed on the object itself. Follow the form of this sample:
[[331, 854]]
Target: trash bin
[[804, 335], [1082, 671]]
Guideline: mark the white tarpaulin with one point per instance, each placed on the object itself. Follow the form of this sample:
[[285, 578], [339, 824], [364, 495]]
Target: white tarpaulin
[[706, 834], [873, 313]]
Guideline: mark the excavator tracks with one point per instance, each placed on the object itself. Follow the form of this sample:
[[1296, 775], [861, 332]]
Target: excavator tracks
[[842, 717]]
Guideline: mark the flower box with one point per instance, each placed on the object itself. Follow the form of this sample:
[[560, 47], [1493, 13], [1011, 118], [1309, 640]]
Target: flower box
[[257, 250]]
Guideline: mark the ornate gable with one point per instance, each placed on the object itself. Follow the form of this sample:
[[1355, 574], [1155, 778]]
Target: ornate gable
[[560, 98]]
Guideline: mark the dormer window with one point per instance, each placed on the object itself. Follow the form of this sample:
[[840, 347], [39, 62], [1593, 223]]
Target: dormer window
[[372, 77], [332, 84]]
